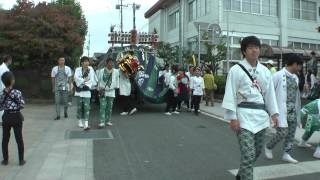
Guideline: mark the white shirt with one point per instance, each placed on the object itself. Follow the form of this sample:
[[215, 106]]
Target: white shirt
[[197, 85], [239, 88], [80, 81], [280, 84], [3, 68], [109, 91], [125, 84], [173, 85]]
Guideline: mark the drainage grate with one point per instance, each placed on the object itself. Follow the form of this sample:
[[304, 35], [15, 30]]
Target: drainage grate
[[91, 134]]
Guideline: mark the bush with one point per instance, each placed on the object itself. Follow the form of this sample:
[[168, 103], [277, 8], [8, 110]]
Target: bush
[[221, 83]]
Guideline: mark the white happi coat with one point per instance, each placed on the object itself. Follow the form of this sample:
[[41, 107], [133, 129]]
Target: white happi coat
[[280, 84], [80, 81], [109, 91], [125, 84], [239, 88]]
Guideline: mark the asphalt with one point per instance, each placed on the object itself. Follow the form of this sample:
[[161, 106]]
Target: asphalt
[[152, 146]]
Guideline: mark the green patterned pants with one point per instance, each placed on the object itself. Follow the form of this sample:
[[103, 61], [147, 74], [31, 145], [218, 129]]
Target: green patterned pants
[[285, 133], [83, 108], [106, 104], [250, 149], [312, 125], [61, 97]]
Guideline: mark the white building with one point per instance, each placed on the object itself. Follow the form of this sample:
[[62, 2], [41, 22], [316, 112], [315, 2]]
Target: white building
[[289, 24]]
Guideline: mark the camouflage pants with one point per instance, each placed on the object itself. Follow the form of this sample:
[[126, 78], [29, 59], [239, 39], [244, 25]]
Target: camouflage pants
[[312, 125], [285, 133], [106, 104], [83, 108], [250, 149], [61, 97]]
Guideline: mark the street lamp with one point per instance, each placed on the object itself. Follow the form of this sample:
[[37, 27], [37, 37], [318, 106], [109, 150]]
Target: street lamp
[[135, 7]]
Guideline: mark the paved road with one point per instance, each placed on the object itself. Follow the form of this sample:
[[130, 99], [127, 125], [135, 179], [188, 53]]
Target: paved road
[[152, 146]]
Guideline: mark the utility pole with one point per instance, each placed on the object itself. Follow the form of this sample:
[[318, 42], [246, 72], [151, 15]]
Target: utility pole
[[121, 14], [88, 46]]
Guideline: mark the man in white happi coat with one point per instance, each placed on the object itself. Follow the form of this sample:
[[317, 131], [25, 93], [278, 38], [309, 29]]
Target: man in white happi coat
[[286, 84], [249, 102], [7, 61]]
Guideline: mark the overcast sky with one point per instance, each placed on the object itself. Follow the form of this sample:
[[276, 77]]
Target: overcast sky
[[100, 14]]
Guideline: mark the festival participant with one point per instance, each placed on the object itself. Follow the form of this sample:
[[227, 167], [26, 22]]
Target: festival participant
[[249, 102], [108, 81], [84, 78], [286, 84]]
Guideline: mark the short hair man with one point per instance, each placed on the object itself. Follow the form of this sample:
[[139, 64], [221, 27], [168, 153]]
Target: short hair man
[[249, 102]]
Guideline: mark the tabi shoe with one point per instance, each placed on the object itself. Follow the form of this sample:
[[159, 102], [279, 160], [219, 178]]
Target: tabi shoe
[[109, 124], [175, 112], [22, 162], [238, 177], [80, 124], [304, 144], [168, 113], [4, 162], [86, 126], [316, 154], [124, 113], [101, 125], [133, 111], [57, 118], [268, 152], [65, 115], [286, 157]]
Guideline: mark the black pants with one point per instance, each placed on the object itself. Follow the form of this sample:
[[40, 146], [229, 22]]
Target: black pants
[[126, 103], [196, 102], [12, 120], [172, 101]]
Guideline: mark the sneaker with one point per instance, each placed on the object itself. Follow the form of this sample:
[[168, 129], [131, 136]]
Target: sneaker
[[133, 111], [316, 154], [86, 126], [286, 157], [304, 144], [124, 113], [101, 125], [188, 110], [168, 113], [109, 124], [80, 124], [69, 103], [23, 162], [175, 112], [65, 115], [268, 152], [192, 109], [57, 118], [4, 162]]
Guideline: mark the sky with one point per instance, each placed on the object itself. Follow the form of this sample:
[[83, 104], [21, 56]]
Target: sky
[[101, 14]]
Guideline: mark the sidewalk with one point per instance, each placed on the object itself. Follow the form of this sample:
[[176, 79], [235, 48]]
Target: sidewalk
[[218, 111], [49, 155]]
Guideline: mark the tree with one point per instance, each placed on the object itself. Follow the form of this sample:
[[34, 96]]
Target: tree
[[167, 53], [220, 50]]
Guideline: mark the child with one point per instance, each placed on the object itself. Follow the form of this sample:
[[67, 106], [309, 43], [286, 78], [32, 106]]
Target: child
[[313, 124], [197, 86], [11, 101]]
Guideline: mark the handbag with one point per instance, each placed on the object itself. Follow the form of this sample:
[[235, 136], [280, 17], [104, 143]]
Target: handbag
[[101, 92]]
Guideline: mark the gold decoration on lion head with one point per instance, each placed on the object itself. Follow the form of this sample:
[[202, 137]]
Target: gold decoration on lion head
[[130, 65]]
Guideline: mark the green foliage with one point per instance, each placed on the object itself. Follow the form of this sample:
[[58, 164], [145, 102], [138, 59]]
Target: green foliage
[[169, 54], [220, 48], [221, 83]]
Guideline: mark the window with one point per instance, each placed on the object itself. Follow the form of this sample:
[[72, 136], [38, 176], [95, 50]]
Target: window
[[290, 44], [274, 43], [208, 6], [274, 7], [192, 11], [297, 45], [236, 5], [246, 5], [236, 40], [255, 6], [235, 53], [305, 45], [227, 4], [264, 41], [202, 7], [313, 46], [173, 20], [303, 9], [266, 7]]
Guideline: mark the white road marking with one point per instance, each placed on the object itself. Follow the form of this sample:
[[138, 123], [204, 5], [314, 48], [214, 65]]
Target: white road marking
[[284, 170]]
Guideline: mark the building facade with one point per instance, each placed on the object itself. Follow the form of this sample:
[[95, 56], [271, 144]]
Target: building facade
[[288, 24]]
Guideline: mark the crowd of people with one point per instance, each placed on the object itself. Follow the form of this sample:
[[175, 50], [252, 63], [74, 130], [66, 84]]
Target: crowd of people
[[257, 98]]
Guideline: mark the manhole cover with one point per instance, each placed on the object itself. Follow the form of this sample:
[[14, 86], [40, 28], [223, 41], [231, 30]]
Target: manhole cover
[[91, 134]]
